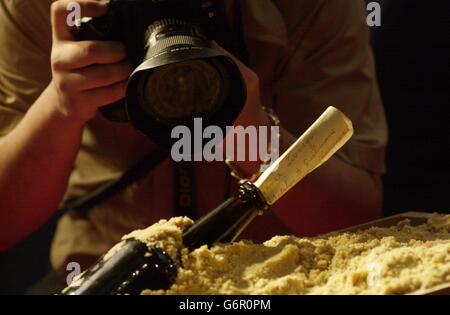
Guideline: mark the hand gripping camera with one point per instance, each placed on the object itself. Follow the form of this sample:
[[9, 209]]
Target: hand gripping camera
[[177, 76]]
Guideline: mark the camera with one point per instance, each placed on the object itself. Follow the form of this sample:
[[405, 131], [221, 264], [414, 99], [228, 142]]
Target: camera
[[177, 76]]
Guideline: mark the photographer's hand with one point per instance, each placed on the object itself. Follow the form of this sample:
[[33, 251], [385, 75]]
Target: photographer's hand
[[86, 74], [253, 114]]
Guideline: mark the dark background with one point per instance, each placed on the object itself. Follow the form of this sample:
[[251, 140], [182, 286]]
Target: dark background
[[412, 52]]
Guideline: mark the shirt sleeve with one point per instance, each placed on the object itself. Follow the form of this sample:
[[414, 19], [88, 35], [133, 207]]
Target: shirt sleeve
[[329, 62], [25, 41]]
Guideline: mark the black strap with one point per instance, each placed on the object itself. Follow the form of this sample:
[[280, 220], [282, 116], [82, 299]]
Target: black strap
[[138, 171], [185, 195]]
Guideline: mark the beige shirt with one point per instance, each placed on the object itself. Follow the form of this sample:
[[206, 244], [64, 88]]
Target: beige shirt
[[309, 54]]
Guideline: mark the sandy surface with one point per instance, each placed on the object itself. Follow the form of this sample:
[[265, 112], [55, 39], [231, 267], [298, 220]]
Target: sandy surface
[[396, 260]]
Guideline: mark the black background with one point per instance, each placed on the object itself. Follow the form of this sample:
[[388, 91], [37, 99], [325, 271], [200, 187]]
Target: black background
[[412, 50]]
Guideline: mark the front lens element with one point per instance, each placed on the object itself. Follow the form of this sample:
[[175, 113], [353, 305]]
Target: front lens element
[[185, 89]]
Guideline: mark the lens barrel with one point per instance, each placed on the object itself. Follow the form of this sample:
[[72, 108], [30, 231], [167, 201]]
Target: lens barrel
[[168, 34], [181, 79]]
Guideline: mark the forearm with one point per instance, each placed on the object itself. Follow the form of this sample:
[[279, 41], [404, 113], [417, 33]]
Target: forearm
[[334, 196], [36, 159]]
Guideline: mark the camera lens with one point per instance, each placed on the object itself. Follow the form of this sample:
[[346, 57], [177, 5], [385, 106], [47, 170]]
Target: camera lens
[[181, 79], [184, 89]]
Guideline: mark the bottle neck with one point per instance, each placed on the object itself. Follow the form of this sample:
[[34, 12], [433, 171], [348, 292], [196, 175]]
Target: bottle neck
[[226, 222]]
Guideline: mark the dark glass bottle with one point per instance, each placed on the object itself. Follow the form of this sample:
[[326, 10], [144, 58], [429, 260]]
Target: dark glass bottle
[[135, 268]]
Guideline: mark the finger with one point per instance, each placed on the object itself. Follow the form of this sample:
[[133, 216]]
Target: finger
[[76, 55], [105, 95], [61, 9], [97, 76]]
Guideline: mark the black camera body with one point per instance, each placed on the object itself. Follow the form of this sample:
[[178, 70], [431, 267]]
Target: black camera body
[[178, 77]]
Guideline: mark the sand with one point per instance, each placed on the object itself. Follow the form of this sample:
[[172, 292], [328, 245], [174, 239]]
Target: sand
[[396, 260]]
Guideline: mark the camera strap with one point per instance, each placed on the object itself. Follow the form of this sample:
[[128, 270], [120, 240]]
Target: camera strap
[[185, 201], [185, 195], [138, 171]]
